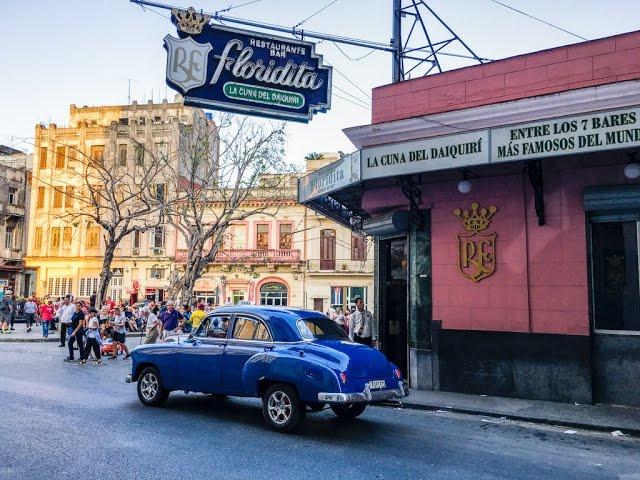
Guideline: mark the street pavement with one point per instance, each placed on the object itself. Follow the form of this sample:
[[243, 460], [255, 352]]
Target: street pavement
[[61, 420]]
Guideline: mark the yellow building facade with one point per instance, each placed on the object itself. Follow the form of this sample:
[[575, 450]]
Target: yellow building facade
[[285, 256], [67, 256]]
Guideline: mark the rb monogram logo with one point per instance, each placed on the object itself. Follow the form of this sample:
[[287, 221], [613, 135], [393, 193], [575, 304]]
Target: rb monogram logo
[[476, 249]]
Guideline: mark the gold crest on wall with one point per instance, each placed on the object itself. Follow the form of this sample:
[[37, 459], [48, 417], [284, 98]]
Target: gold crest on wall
[[477, 247]]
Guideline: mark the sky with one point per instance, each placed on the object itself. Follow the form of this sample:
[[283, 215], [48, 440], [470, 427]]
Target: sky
[[86, 52]]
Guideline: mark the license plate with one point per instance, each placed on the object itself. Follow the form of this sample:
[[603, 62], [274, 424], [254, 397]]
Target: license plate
[[377, 384]]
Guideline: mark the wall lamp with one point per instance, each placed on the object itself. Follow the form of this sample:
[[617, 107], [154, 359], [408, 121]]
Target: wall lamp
[[632, 169], [464, 185]]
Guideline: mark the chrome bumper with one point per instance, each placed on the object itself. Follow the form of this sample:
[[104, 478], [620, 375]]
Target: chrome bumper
[[128, 378], [366, 396]]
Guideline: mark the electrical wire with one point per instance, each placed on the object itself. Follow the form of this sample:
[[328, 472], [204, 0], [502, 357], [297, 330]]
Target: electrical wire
[[233, 7], [368, 95], [539, 20], [350, 58], [314, 14], [350, 101], [352, 96]]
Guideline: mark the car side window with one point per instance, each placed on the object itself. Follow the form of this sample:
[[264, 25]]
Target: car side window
[[262, 333], [250, 329], [218, 326], [202, 329]]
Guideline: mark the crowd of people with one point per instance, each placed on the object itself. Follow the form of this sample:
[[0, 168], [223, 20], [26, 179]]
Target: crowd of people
[[86, 328]]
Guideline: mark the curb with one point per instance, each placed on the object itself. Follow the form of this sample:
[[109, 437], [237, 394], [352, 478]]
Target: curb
[[632, 432], [9, 339]]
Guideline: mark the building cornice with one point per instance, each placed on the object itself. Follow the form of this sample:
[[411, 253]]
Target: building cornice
[[592, 99]]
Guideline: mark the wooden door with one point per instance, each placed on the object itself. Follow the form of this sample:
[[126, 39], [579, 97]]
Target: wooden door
[[328, 250]]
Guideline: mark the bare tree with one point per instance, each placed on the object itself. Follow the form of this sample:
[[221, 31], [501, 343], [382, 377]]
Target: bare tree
[[227, 176], [118, 198]]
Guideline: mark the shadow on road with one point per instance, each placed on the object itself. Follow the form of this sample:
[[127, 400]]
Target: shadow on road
[[323, 426]]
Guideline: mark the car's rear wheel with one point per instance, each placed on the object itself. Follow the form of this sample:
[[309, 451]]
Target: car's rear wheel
[[349, 410], [150, 390], [281, 408]]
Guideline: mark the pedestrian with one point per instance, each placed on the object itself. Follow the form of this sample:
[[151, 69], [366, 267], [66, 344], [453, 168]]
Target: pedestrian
[[46, 317], [5, 315], [341, 320], [119, 334], [185, 323], [197, 316], [64, 314], [13, 307], [170, 319], [77, 331], [361, 325], [153, 325], [93, 339]]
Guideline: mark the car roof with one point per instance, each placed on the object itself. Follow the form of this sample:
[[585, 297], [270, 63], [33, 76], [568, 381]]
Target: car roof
[[267, 310], [282, 320]]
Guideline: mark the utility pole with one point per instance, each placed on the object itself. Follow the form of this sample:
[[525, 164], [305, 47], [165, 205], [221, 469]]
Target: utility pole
[[396, 42]]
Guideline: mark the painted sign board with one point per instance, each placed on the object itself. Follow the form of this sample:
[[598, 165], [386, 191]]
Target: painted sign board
[[246, 72], [438, 153], [336, 175], [584, 133]]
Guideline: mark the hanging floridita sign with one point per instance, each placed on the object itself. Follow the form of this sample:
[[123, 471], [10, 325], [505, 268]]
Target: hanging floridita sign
[[245, 72]]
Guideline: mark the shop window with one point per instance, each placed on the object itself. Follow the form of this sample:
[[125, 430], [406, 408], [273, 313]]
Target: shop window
[[273, 294], [88, 286], [60, 157], [616, 279], [286, 231], [262, 236], [358, 247], [59, 286], [237, 296]]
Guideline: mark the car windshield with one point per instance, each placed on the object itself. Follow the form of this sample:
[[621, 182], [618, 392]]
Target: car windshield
[[321, 328]]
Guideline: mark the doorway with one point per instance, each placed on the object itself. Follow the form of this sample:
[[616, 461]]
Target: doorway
[[393, 300]]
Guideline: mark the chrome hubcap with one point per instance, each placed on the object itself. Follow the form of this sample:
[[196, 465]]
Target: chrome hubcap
[[279, 407], [149, 386]]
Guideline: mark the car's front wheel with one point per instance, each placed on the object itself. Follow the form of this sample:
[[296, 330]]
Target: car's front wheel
[[150, 390], [349, 410], [281, 408]]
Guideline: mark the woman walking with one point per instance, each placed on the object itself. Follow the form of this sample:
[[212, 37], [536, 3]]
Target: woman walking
[[93, 340], [46, 317]]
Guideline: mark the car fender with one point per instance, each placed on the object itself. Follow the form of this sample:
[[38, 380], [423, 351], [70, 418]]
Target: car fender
[[163, 356], [307, 375]]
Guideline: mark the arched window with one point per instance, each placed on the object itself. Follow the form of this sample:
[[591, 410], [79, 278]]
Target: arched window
[[273, 293]]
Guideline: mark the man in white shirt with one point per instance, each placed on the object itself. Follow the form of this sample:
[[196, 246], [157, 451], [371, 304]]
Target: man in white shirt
[[119, 333], [153, 325], [361, 325], [65, 312]]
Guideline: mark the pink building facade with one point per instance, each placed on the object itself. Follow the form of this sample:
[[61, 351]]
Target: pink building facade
[[505, 202]]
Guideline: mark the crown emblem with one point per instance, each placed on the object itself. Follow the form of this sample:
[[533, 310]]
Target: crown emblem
[[476, 219], [190, 21]]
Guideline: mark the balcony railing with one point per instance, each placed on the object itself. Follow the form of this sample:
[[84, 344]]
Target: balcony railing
[[250, 256], [338, 265]]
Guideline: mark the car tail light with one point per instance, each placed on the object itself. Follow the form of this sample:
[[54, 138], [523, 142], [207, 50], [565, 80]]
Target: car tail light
[[343, 377], [397, 373]]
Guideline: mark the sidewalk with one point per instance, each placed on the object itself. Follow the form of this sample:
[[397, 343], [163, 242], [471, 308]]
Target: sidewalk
[[592, 417], [20, 335]]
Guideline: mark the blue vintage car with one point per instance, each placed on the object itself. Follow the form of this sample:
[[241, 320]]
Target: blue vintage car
[[295, 360]]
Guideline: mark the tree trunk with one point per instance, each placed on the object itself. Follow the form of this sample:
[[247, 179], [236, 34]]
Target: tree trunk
[[105, 274]]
